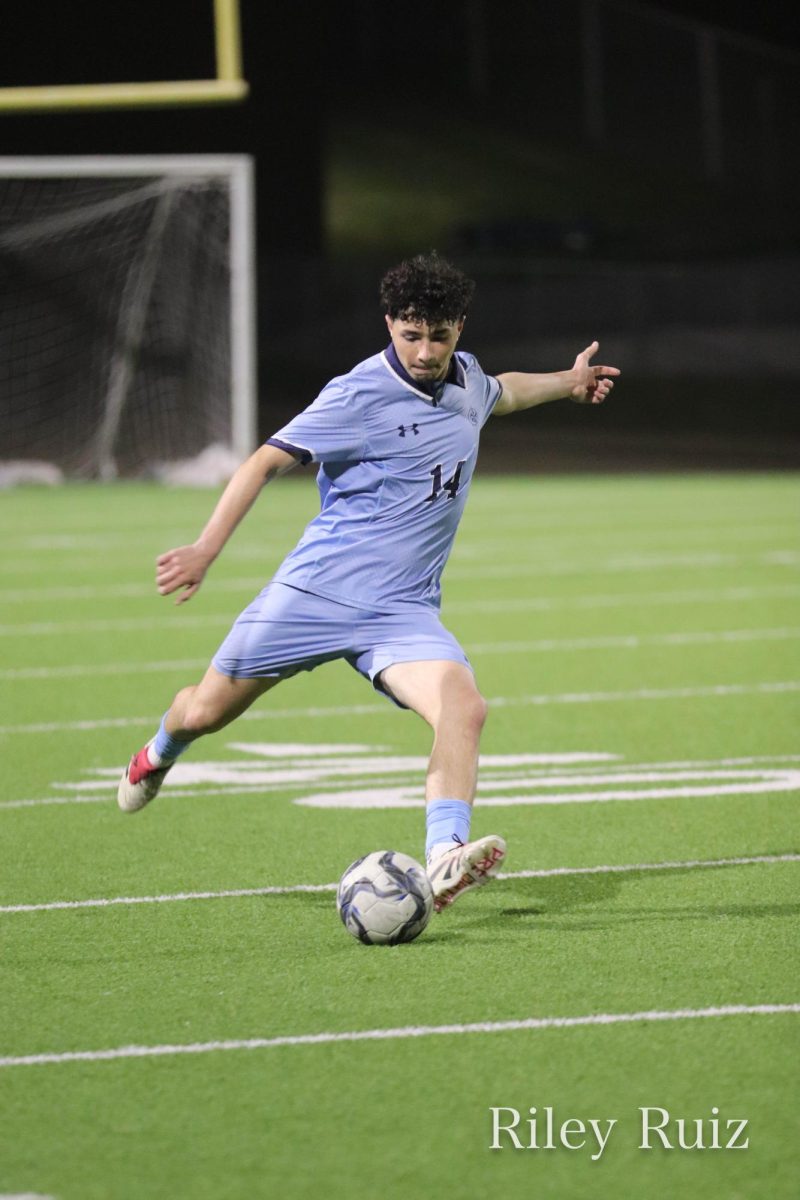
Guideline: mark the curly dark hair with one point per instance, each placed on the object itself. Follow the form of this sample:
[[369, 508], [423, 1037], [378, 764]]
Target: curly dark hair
[[426, 288]]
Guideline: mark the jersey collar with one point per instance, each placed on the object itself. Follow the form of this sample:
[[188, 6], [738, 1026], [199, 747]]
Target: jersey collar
[[428, 391]]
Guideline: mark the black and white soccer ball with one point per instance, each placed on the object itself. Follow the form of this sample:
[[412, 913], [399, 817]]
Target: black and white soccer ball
[[385, 898]]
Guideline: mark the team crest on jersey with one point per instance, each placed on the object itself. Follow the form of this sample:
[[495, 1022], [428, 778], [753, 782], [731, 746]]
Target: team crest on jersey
[[473, 416]]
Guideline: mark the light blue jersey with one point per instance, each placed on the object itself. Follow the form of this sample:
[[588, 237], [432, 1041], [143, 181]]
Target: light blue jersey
[[396, 466]]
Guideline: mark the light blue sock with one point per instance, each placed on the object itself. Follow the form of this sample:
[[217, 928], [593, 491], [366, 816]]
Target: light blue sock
[[447, 823], [165, 747]]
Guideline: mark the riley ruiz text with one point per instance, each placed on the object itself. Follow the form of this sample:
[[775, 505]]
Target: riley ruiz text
[[656, 1127]]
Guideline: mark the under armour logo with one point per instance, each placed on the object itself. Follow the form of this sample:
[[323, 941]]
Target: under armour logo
[[401, 429]]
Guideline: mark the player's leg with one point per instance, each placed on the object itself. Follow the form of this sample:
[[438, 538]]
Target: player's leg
[[444, 694], [282, 632], [212, 704], [196, 710]]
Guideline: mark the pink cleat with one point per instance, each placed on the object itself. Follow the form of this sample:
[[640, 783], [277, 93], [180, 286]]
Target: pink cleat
[[140, 782]]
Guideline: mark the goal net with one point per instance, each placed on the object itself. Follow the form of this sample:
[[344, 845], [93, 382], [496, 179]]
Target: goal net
[[126, 311]]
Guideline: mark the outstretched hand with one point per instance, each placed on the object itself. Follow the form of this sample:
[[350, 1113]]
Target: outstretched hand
[[592, 383], [183, 568]]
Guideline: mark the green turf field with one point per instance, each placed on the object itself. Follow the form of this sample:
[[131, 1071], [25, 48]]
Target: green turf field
[[637, 639]]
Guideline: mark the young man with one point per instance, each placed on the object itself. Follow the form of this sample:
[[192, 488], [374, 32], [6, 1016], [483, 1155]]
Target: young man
[[396, 439]]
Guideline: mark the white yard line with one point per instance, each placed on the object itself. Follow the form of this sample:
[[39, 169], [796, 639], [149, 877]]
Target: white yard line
[[691, 864], [529, 1024], [485, 540], [175, 621], [113, 591], [778, 687], [146, 591], [676, 693], [621, 599], [623, 641], [544, 873], [778, 556], [533, 604], [145, 537], [635, 641], [110, 591], [173, 898], [713, 791], [46, 801], [93, 669]]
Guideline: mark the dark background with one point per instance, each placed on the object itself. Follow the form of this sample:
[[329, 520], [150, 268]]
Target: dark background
[[666, 226]]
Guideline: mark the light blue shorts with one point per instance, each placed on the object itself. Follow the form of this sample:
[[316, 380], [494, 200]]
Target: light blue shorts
[[286, 630]]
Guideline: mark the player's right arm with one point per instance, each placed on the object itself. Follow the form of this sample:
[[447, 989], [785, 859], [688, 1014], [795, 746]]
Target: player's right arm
[[183, 569]]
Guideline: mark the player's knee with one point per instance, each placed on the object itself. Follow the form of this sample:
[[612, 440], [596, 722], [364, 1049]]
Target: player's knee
[[197, 716], [201, 719], [472, 711], [479, 711]]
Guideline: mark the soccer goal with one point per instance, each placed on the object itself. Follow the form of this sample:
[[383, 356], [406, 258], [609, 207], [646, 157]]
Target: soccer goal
[[127, 311]]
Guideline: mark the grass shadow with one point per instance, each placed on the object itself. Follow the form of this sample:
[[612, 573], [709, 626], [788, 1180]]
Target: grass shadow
[[547, 900]]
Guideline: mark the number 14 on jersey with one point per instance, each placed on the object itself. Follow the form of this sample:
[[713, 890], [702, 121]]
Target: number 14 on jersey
[[450, 486]]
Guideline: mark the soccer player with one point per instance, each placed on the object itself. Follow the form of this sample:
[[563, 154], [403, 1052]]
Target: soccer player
[[397, 440]]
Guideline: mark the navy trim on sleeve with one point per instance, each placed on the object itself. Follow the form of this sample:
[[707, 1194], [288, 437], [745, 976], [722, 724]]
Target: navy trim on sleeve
[[299, 452]]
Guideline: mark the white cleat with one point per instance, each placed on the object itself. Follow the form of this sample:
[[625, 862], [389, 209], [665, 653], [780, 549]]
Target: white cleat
[[464, 867], [140, 782]]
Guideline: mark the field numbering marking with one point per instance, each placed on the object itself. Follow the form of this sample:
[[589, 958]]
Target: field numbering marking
[[364, 776], [380, 781], [25, 1196]]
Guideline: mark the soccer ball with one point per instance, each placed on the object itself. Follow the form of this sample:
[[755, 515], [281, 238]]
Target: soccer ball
[[385, 898]]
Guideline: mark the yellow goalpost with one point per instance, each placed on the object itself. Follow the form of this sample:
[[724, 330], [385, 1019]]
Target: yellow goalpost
[[228, 87]]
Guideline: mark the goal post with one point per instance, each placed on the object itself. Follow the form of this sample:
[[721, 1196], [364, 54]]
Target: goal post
[[127, 310], [228, 87]]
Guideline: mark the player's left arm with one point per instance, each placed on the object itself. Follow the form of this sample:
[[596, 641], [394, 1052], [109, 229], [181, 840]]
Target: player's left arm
[[584, 383], [183, 569]]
